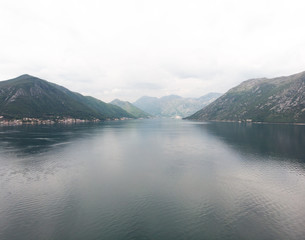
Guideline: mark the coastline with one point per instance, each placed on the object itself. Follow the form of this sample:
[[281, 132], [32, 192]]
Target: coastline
[[37, 121], [247, 122]]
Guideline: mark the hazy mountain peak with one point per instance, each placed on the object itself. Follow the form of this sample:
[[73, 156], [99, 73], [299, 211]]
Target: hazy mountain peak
[[170, 97], [147, 98], [174, 105], [130, 108], [116, 100]]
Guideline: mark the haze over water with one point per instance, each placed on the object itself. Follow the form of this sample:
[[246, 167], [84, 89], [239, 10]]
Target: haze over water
[[152, 179]]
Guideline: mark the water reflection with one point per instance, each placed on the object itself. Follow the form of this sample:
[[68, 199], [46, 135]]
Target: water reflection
[[278, 140], [29, 140], [149, 179]]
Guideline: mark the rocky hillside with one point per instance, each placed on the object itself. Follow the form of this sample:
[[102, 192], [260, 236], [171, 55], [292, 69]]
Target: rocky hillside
[[28, 96], [173, 105], [130, 108], [280, 99]]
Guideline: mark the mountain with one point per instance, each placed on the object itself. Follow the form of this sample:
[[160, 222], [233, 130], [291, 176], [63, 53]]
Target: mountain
[[130, 108], [28, 96], [280, 99], [173, 105], [148, 104]]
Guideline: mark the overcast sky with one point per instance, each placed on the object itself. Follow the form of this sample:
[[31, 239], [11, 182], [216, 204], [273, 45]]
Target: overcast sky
[[126, 49]]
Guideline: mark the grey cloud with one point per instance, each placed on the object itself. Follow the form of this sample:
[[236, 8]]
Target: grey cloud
[[145, 86], [99, 49]]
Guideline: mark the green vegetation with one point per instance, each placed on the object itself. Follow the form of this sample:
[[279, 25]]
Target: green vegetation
[[130, 108], [28, 96], [261, 100]]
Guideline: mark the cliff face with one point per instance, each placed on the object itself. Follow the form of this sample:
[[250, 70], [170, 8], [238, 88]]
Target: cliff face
[[28, 96], [279, 99]]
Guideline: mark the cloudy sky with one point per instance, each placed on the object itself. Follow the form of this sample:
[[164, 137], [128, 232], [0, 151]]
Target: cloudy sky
[[126, 49]]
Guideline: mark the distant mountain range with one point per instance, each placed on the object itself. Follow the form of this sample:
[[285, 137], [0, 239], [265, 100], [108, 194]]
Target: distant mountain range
[[173, 105], [280, 99], [130, 108], [27, 96]]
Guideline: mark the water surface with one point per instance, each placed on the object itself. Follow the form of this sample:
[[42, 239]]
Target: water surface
[[152, 179]]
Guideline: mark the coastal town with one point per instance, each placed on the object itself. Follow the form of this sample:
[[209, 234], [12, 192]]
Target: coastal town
[[38, 121]]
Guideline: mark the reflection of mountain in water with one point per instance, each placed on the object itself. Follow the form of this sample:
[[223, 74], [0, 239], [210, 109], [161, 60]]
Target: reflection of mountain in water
[[26, 140], [280, 140]]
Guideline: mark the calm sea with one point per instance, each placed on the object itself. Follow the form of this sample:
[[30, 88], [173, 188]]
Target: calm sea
[[152, 179]]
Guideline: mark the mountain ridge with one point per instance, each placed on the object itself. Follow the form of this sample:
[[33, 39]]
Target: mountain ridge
[[174, 105], [279, 99], [130, 108], [29, 96]]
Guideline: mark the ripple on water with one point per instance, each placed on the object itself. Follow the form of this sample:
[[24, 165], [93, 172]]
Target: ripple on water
[[149, 180]]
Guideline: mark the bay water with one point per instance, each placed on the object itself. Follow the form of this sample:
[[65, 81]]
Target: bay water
[[152, 179]]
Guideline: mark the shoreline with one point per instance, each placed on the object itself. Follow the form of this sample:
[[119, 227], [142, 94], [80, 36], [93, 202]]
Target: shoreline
[[248, 122], [37, 121]]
